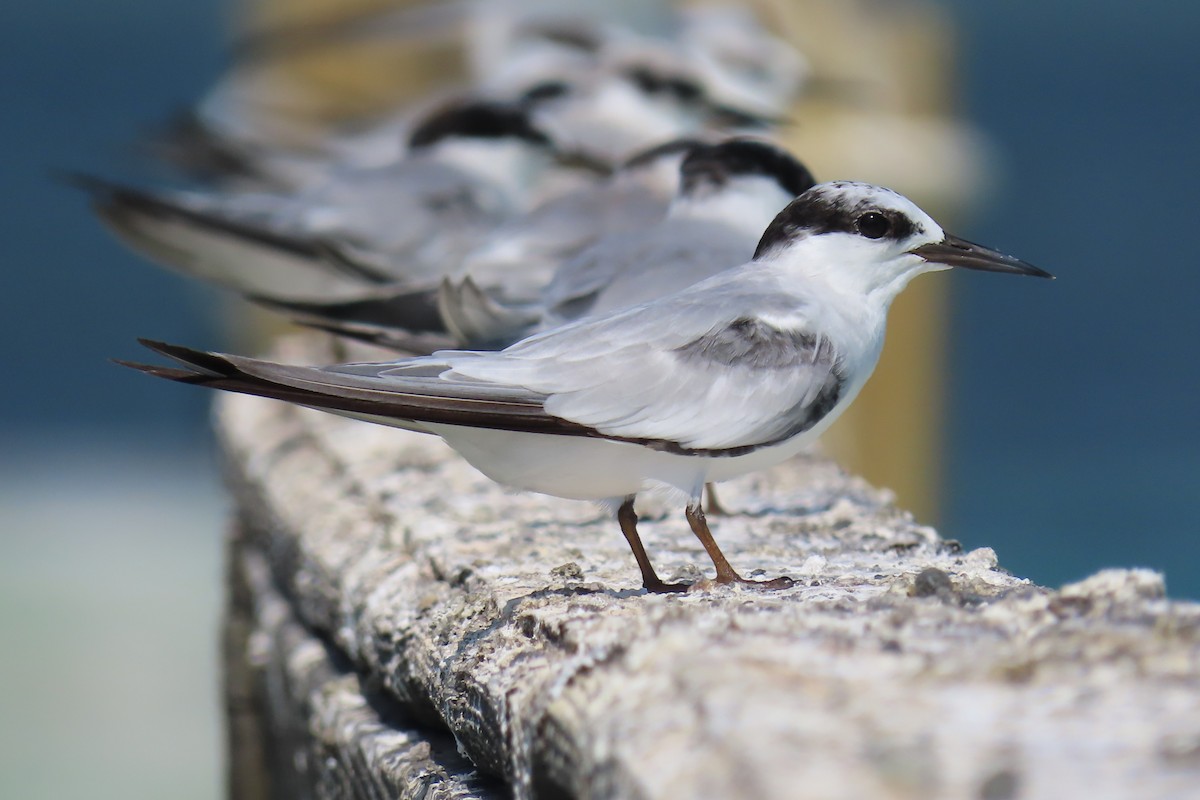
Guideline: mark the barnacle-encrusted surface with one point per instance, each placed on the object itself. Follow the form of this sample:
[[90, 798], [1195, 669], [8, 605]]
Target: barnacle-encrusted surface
[[898, 666]]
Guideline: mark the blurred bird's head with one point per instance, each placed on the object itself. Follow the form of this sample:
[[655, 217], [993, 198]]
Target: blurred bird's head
[[740, 182], [496, 141]]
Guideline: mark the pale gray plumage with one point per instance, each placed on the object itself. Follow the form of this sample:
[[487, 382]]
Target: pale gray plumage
[[622, 271], [520, 257], [470, 168], [667, 388], [728, 193]]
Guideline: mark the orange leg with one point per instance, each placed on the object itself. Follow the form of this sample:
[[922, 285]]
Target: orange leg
[[725, 571]]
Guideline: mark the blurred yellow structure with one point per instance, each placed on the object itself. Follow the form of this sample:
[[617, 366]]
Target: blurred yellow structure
[[314, 65], [880, 110]]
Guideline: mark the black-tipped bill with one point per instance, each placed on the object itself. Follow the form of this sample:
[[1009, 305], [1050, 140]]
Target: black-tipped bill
[[586, 162], [955, 252]]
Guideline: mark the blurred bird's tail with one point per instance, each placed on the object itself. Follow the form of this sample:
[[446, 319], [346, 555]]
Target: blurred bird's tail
[[475, 317]]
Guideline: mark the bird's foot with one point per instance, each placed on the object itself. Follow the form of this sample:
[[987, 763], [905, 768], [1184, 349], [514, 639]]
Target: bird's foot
[[659, 587], [782, 582], [774, 584]]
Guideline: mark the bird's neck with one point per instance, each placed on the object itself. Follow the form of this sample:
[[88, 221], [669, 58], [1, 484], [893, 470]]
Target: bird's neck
[[508, 164], [747, 205], [613, 120], [845, 268], [661, 178]]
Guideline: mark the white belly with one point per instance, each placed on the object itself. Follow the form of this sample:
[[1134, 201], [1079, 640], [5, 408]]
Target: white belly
[[581, 468]]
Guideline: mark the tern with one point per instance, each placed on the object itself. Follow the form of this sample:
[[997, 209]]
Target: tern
[[470, 167], [512, 265], [731, 375], [726, 192]]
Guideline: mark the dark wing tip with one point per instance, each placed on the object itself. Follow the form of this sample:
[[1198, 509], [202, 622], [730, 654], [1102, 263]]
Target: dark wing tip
[[113, 200], [406, 343], [84, 181], [157, 346], [170, 373], [201, 361], [191, 146], [107, 192]]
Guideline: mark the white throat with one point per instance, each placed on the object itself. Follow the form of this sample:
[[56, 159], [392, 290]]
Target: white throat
[[509, 164], [660, 178], [747, 203], [851, 266]]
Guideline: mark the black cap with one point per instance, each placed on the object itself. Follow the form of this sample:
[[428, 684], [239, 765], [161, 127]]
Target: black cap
[[715, 165], [477, 119]]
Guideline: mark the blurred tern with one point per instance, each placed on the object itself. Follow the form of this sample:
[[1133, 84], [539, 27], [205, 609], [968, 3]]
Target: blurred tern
[[728, 193], [593, 251], [739, 61], [514, 263], [470, 167], [708, 68], [731, 375], [635, 101], [520, 257]]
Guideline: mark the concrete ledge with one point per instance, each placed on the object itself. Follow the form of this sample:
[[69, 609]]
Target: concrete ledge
[[899, 666], [304, 724]]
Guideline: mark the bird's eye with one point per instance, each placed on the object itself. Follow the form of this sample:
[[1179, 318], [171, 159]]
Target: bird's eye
[[873, 225]]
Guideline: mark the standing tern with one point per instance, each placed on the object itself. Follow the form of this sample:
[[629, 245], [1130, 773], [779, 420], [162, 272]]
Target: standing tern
[[728, 376]]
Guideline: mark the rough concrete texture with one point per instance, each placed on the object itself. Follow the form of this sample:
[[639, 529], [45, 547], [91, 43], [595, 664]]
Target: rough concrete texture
[[307, 726], [897, 667]]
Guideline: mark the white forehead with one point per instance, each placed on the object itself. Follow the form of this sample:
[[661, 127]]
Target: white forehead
[[865, 196], [853, 193]]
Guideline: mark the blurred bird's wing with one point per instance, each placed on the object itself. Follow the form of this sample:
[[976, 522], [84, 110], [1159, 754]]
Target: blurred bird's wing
[[400, 318], [363, 229], [240, 250], [625, 269]]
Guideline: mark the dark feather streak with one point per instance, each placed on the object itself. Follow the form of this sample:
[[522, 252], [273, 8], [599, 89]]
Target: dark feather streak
[[715, 165]]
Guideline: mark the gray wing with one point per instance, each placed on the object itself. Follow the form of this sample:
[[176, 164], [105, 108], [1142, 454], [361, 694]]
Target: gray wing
[[520, 257], [627, 269], [364, 228], [232, 242], [478, 319], [573, 220], [403, 394], [415, 219], [498, 298], [721, 369], [731, 363]]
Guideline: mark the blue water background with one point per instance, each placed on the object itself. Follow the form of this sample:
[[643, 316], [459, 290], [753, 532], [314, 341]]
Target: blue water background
[[1075, 432]]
